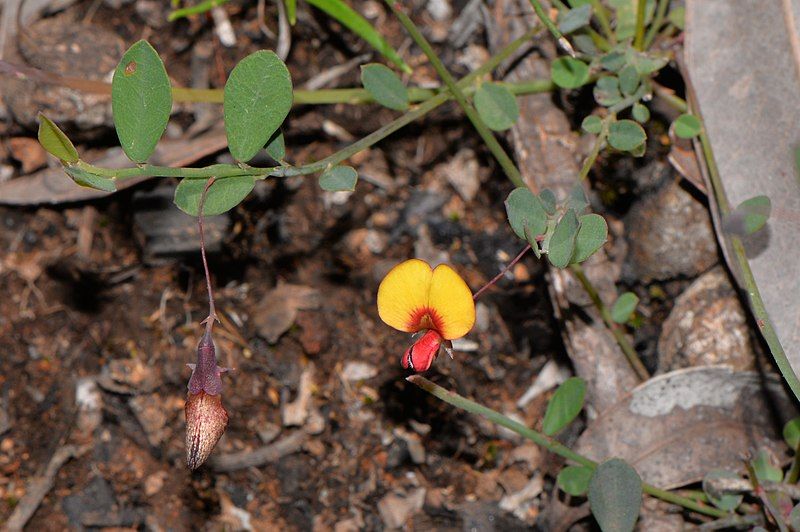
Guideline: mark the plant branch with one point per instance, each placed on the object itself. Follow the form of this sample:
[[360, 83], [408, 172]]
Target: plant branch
[[598, 145], [638, 39], [605, 313], [483, 130], [750, 286], [655, 25], [212, 313], [497, 277], [552, 28], [547, 442], [202, 7], [602, 16]]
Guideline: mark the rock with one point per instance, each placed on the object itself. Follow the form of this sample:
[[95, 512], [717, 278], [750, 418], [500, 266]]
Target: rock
[[314, 332], [58, 44], [152, 416], [29, 152], [462, 171], [279, 307], [415, 448], [89, 401], [519, 503], [670, 236], [396, 509], [707, 326], [295, 413], [358, 371]]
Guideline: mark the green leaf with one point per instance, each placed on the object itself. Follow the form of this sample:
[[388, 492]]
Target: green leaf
[[562, 243], [613, 61], [575, 19], [141, 100], [791, 433], [496, 106], [764, 469], [624, 307], [338, 178], [640, 113], [549, 201], [677, 16], [626, 16], [645, 64], [606, 91], [569, 73], [86, 179], [291, 11], [592, 124], [615, 496], [749, 216], [584, 44], [626, 135], [687, 126], [55, 142], [276, 147], [525, 210], [385, 86], [574, 480], [223, 195], [592, 234], [359, 25], [628, 80], [565, 405], [794, 518], [257, 98], [724, 501], [577, 201]]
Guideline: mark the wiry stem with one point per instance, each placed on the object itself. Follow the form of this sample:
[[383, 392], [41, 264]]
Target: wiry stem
[[502, 272], [212, 313]]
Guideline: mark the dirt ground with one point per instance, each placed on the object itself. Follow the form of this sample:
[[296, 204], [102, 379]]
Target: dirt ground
[[101, 312]]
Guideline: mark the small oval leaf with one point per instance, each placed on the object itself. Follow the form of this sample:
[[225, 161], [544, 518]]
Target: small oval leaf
[[791, 433], [141, 101], [574, 480], [496, 106], [276, 147], [223, 195], [687, 126], [592, 124], [55, 142], [562, 243], [592, 234], [765, 470], [525, 210], [723, 501], [626, 135], [569, 73], [640, 113], [385, 86], [565, 405], [624, 307], [339, 178], [615, 496], [257, 98]]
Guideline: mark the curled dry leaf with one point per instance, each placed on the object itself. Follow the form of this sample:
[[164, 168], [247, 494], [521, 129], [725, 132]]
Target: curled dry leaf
[[675, 428], [278, 309]]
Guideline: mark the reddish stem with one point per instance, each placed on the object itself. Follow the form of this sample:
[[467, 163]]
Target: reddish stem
[[502, 272], [212, 313]]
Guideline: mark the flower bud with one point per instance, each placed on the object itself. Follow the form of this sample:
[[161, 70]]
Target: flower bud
[[421, 355], [206, 420]]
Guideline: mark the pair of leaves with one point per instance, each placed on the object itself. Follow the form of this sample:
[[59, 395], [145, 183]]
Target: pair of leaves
[[614, 489], [749, 216], [572, 239]]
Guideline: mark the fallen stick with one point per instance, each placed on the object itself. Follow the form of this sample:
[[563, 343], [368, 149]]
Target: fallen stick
[[263, 455], [38, 487]]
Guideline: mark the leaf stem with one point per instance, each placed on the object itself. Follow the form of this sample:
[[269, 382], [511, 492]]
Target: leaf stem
[[638, 39], [483, 130], [212, 313], [552, 28], [605, 313], [598, 145], [655, 25], [197, 9], [497, 277], [602, 17], [547, 442]]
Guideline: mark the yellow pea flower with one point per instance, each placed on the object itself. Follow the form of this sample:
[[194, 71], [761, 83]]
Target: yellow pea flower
[[414, 297]]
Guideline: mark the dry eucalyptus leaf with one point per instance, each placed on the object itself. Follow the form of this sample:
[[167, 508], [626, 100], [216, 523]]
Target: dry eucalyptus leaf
[[746, 88], [676, 427], [278, 309]]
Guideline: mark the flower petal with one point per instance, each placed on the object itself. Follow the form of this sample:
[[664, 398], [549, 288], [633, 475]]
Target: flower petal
[[451, 300], [403, 293]]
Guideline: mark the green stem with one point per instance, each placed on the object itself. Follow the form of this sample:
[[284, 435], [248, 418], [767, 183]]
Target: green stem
[[638, 39], [669, 96], [557, 35], [598, 40], [602, 17], [197, 9], [547, 442], [598, 145], [794, 471], [483, 130], [605, 313], [658, 19], [750, 286]]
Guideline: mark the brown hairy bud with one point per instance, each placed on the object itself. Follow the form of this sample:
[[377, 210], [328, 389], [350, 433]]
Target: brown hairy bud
[[206, 420]]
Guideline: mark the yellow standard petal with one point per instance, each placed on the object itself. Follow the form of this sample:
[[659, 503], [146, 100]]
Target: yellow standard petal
[[403, 295], [450, 303]]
